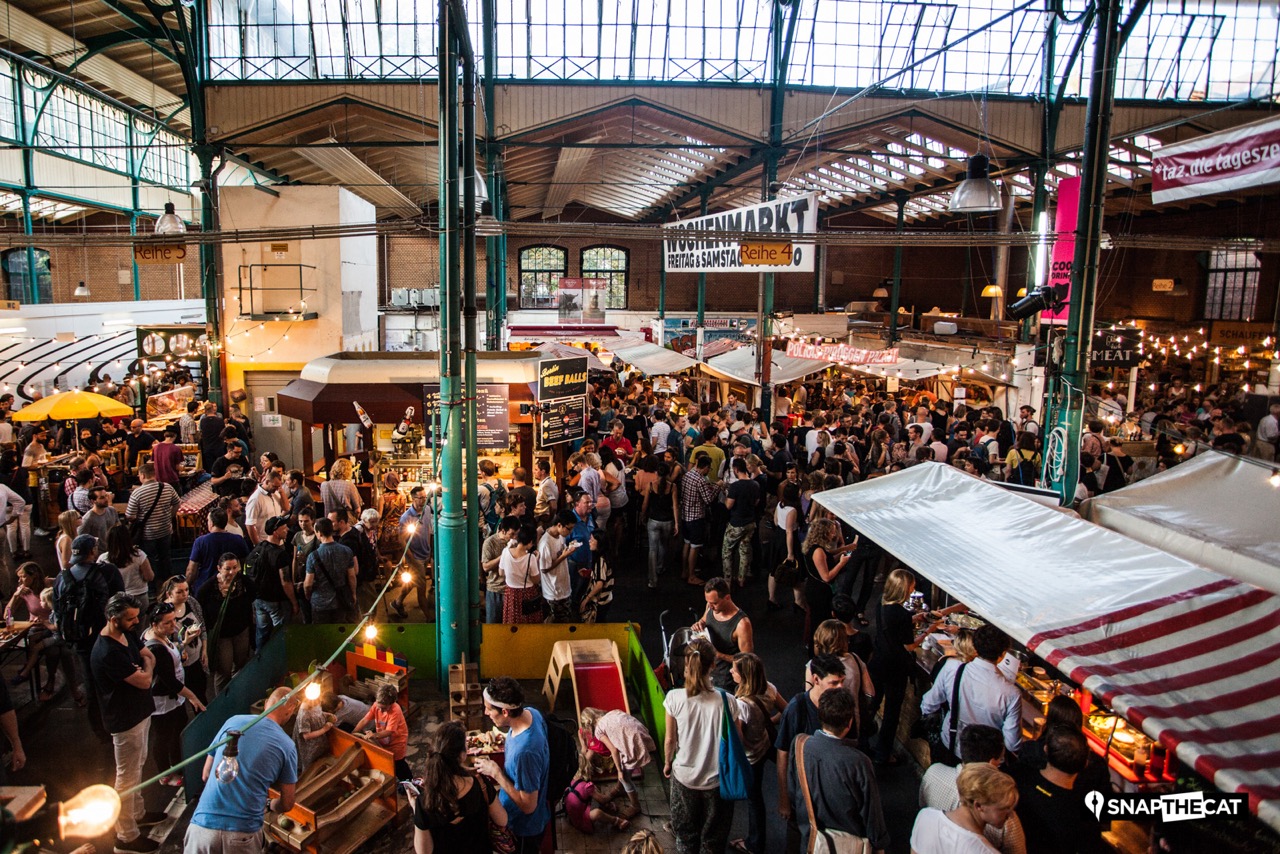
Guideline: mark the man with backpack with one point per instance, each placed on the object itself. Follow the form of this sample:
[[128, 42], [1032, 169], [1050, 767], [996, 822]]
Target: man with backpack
[[270, 568], [525, 775], [80, 596], [493, 496]]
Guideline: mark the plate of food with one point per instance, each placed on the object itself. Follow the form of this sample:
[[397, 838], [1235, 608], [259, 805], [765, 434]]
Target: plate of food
[[491, 741], [965, 621]]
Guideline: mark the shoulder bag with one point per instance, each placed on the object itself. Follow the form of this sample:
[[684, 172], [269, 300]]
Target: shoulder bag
[[533, 604], [735, 770], [929, 727], [825, 841], [501, 839], [138, 528]]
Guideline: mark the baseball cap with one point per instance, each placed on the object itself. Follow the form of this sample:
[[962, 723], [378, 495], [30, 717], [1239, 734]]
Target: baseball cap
[[84, 544], [274, 523], [736, 426]]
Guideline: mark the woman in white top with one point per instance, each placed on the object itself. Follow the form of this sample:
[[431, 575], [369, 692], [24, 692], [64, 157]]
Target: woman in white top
[[338, 490], [695, 718], [786, 519], [519, 567], [987, 797], [132, 562], [68, 525]]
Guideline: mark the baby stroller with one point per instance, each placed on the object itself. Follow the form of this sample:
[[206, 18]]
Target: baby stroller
[[670, 671]]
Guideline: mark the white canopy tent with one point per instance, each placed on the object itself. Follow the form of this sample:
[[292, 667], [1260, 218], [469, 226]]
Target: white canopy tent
[[919, 369], [1184, 653], [556, 350], [652, 359], [740, 365], [1214, 509]]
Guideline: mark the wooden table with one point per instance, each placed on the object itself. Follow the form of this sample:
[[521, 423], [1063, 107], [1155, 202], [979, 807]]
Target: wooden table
[[193, 511]]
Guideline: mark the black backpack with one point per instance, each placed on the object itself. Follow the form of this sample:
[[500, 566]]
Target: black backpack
[[1025, 473], [258, 559], [562, 746], [79, 612]]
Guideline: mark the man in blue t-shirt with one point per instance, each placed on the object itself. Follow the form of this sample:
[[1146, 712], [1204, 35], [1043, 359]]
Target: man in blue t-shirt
[[208, 548], [523, 776], [229, 815]]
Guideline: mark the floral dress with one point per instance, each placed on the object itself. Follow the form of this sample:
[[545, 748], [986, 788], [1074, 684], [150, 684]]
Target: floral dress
[[630, 737]]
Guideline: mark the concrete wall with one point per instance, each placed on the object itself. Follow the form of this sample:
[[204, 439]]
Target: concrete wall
[[341, 265]]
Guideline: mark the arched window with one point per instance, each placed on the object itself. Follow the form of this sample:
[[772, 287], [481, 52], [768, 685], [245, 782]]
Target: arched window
[[541, 268], [1233, 283], [608, 262]]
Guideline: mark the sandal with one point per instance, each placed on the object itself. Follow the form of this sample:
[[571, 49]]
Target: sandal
[[80, 697], [622, 824]]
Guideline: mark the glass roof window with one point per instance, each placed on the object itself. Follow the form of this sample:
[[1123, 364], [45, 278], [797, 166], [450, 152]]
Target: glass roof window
[[1179, 49]]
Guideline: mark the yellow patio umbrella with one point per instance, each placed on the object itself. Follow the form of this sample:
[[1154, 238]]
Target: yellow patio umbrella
[[72, 406]]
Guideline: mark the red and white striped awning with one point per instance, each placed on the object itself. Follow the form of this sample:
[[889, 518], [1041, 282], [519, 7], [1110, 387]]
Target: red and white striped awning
[[1186, 654]]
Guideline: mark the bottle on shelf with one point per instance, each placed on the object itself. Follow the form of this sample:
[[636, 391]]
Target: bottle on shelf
[[364, 416]]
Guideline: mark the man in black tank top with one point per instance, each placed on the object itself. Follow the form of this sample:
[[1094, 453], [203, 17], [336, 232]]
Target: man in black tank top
[[729, 628]]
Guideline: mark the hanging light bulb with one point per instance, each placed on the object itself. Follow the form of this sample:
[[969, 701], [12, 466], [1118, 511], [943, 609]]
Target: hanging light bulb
[[229, 766], [412, 527], [1274, 480], [406, 577], [1196, 386], [370, 632], [1179, 449], [169, 221], [312, 691], [90, 813]]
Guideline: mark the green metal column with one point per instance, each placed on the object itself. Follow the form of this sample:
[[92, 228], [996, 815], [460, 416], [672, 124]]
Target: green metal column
[[764, 335], [895, 295], [1072, 383], [495, 268], [662, 289], [702, 286], [469, 321], [451, 568], [209, 268]]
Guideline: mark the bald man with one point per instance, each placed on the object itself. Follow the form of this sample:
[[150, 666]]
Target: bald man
[[229, 815]]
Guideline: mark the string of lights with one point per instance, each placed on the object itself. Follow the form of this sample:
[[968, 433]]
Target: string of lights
[[309, 687]]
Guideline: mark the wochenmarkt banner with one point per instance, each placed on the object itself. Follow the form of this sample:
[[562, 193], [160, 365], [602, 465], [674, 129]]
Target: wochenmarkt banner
[[785, 219], [1241, 158]]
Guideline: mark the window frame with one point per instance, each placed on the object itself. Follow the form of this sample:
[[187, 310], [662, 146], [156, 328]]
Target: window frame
[[1231, 292], [552, 274], [612, 275]]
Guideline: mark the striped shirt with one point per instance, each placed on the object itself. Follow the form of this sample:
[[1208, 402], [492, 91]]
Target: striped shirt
[[160, 521]]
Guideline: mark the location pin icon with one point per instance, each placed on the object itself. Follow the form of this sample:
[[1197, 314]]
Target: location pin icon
[[1093, 801]]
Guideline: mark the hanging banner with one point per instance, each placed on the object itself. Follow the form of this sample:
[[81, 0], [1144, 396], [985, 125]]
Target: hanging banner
[[1241, 158], [783, 218], [581, 300], [842, 353], [1064, 248], [560, 378], [681, 333]]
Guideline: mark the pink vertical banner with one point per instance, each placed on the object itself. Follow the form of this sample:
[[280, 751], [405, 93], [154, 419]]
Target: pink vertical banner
[[1064, 248]]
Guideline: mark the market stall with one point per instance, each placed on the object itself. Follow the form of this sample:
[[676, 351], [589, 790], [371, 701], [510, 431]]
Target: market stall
[[739, 366], [1184, 654], [653, 360], [385, 386], [1215, 509]]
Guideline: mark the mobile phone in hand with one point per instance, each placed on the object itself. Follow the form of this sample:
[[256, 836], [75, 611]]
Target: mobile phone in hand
[[410, 789]]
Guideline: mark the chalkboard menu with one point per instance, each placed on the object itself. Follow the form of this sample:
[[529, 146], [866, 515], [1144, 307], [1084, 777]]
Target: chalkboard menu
[[493, 419], [563, 421], [559, 379]]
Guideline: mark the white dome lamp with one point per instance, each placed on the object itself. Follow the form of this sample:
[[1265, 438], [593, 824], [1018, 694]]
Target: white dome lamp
[[169, 221], [82, 290], [977, 193]]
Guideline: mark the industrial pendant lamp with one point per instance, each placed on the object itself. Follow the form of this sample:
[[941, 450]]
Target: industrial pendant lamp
[[82, 290], [977, 193], [169, 221]]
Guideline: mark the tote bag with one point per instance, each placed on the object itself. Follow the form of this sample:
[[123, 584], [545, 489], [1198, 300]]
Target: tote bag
[[735, 770]]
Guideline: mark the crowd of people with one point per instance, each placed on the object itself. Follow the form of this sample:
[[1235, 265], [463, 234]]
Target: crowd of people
[[718, 502]]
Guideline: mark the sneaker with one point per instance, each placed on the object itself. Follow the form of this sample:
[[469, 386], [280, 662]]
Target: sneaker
[[151, 817], [141, 845]]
